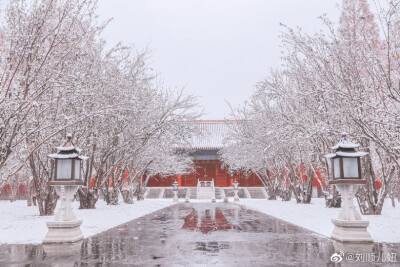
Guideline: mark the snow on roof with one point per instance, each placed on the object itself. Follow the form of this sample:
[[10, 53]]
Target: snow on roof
[[211, 134], [67, 156], [63, 156], [347, 154], [345, 143]]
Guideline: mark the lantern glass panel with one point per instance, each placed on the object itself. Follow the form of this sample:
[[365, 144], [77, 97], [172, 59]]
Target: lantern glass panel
[[350, 168], [336, 168], [77, 169], [64, 169]]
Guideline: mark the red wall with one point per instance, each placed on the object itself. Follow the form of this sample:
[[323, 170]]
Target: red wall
[[206, 170], [7, 190]]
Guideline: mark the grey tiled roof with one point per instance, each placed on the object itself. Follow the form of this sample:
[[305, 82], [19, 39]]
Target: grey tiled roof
[[212, 134]]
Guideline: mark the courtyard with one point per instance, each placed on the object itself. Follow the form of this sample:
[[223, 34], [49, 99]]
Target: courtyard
[[195, 234]]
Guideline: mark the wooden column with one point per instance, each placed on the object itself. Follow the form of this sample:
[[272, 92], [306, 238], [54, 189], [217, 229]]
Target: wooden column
[[179, 180]]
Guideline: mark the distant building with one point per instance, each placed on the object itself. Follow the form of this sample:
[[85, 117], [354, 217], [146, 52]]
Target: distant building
[[204, 150]]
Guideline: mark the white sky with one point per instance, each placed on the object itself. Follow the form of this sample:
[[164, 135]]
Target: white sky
[[216, 49]]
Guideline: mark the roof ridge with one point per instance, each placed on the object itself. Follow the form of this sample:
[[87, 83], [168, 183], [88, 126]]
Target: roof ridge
[[212, 121]]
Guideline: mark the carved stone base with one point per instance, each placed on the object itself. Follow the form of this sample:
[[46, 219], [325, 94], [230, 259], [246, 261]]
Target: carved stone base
[[352, 231], [63, 232]]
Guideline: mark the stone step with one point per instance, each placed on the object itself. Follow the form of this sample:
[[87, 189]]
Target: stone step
[[256, 193], [153, 193], [193, 192], [205, 193], [206, 190], [219, 193]]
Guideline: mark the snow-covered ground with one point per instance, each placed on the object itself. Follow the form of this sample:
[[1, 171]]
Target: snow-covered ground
[[317, 218], [22, 224]]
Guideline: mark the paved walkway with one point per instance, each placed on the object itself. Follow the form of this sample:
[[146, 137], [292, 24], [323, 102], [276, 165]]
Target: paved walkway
[[200, 234]]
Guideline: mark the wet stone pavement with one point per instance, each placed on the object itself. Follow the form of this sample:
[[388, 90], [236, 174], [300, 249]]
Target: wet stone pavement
[[194, 234]]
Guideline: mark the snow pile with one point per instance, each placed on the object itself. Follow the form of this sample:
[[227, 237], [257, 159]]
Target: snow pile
[[22, 224], [317, 218]]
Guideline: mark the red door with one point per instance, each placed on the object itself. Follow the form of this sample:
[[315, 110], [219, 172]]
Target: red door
[[222, 176], [222, 180], [189, 180]]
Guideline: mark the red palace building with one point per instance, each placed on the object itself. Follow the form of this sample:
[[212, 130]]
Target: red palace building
[[204, 150]]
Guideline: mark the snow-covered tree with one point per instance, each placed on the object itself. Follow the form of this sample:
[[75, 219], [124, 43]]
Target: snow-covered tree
[[342, 79], [56, 77]]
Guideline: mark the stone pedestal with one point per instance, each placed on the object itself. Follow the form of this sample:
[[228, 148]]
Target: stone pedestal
[[176, 196], [66, 227], [348, 226], [236, 197], [63, 232]]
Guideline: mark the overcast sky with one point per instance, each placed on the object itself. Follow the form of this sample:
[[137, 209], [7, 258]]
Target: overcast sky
[[216, 49]]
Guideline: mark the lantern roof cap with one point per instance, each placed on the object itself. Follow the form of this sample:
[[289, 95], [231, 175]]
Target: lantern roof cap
[[348, 151], [345, 143], [68, 151]]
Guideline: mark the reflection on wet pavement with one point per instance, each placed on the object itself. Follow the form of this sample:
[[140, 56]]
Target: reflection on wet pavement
[[206, 220], [204, 234]]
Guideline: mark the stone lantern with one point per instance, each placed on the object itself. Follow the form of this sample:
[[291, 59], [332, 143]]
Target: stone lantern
[[236, 189], [346, 169], [67, 177], [175, 190]]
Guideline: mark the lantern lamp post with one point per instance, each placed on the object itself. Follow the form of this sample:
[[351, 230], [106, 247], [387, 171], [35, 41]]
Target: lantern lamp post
[[236, 189], [67, 177], [346, 169], [175, 190]]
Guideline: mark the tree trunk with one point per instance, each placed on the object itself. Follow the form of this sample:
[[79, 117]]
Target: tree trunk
[[47, 203], [296, 192], [128, 197], [271, 193], [140, 194], [87, 198], [332, 198], [307, 192], [286, 195], [112, 197], [367, 196], [34, 200]]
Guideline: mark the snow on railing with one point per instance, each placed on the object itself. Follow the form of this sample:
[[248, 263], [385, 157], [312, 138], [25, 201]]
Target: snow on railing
[[213, 190], [198, 186]]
